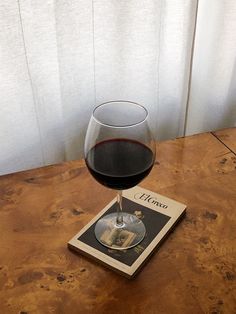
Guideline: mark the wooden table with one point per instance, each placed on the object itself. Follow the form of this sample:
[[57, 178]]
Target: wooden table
[[194, 271]]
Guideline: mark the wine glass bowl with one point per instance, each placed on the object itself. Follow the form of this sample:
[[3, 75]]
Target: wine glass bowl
[[119, 153]]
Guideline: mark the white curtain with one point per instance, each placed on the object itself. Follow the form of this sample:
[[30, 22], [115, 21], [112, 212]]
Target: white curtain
[[60, 58]]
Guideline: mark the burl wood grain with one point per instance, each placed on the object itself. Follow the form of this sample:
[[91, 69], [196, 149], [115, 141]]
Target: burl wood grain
[[194, 271], [227, 137]]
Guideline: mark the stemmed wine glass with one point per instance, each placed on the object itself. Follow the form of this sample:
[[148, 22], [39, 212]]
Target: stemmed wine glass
[[119, 153]]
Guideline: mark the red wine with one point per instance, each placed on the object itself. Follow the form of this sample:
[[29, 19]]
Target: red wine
[[119, 163]]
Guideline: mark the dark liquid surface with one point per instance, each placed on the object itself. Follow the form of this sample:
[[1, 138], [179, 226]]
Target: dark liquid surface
[[119, 163]]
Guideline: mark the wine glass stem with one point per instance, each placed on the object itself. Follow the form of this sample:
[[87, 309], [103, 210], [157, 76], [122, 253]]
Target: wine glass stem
[[119, 219]]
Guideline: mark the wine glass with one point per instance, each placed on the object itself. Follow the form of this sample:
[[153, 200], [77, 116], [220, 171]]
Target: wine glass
[[119, 153]]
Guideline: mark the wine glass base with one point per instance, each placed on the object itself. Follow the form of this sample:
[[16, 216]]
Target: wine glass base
[[122, 237]]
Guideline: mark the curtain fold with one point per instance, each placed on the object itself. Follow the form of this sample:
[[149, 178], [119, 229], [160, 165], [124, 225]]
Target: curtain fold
[[58, 59], [212, 102]]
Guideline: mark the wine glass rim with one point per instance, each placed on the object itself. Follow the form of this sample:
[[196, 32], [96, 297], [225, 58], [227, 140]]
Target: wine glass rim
[[120, 126]]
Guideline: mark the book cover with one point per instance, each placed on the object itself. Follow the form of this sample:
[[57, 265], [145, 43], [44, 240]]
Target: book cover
[[159, 215]]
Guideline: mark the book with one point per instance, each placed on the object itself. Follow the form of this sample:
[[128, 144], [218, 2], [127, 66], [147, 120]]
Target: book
[[159, 215]]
